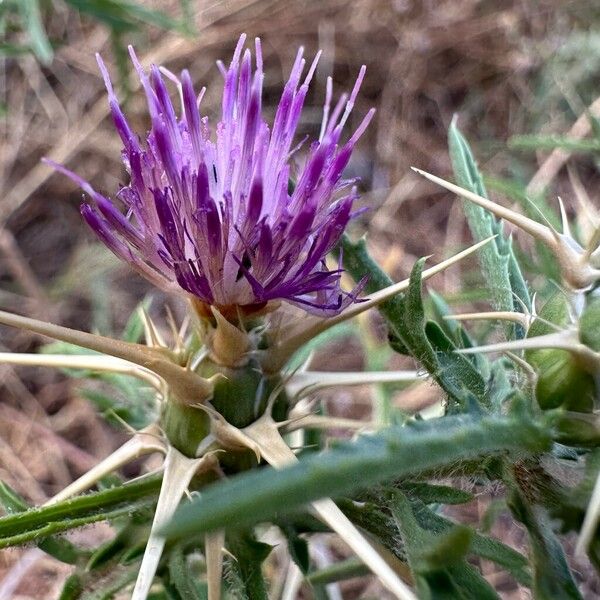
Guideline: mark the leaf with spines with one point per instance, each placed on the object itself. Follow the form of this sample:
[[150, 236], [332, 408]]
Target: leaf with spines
[[455, 374], [499, 264]]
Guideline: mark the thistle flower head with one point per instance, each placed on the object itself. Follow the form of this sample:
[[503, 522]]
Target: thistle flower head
[[210, 210]]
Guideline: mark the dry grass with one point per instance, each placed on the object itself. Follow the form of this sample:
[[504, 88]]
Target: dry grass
[[426, 60]]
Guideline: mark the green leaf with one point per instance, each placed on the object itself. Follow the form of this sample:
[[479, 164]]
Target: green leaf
[[398, 451], [499, 383], [455, 373], [134, 328], [112, 583], [331, 335], [11, 501], [369, 516], [451, 327], [457, 333], [437, 560], [569, 505], [481, 545], [249, 555], [298, 548], [589, 324], [30, 12], [499, 264], [11, 50], [122, 15], [183, 579], [459, 374], [129, 542], [551, 142], [72, 589], [39, 523], [138, 409], [125, 398], [552, 578], [347, 569], [545, 262], [439, 494]]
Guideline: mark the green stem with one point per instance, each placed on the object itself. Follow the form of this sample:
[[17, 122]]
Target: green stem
[[88, 506], [347, 569], [69, 523]]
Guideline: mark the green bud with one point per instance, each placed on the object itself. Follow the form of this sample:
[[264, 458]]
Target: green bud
[[589, 325], [556, 311], [562, 382], [561, 379], [241, 395], [185, 426], [577, 429]]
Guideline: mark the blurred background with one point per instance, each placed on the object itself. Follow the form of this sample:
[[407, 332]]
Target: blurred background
[[523, 78]]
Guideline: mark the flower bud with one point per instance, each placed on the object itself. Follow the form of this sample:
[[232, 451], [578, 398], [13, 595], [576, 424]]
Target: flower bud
[[577, 429], [242, 393], [562, 381], [589, 325]]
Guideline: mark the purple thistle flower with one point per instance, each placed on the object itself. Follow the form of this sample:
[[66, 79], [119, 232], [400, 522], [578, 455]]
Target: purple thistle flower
[[216, 216]]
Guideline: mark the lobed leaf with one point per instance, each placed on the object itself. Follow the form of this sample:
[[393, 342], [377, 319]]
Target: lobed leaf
[[500, 268], [455, 373]]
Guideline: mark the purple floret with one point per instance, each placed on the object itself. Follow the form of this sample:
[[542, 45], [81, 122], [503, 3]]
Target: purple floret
[[213, 214]]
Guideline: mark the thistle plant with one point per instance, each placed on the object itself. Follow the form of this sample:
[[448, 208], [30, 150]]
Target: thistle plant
[[232, 220]]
